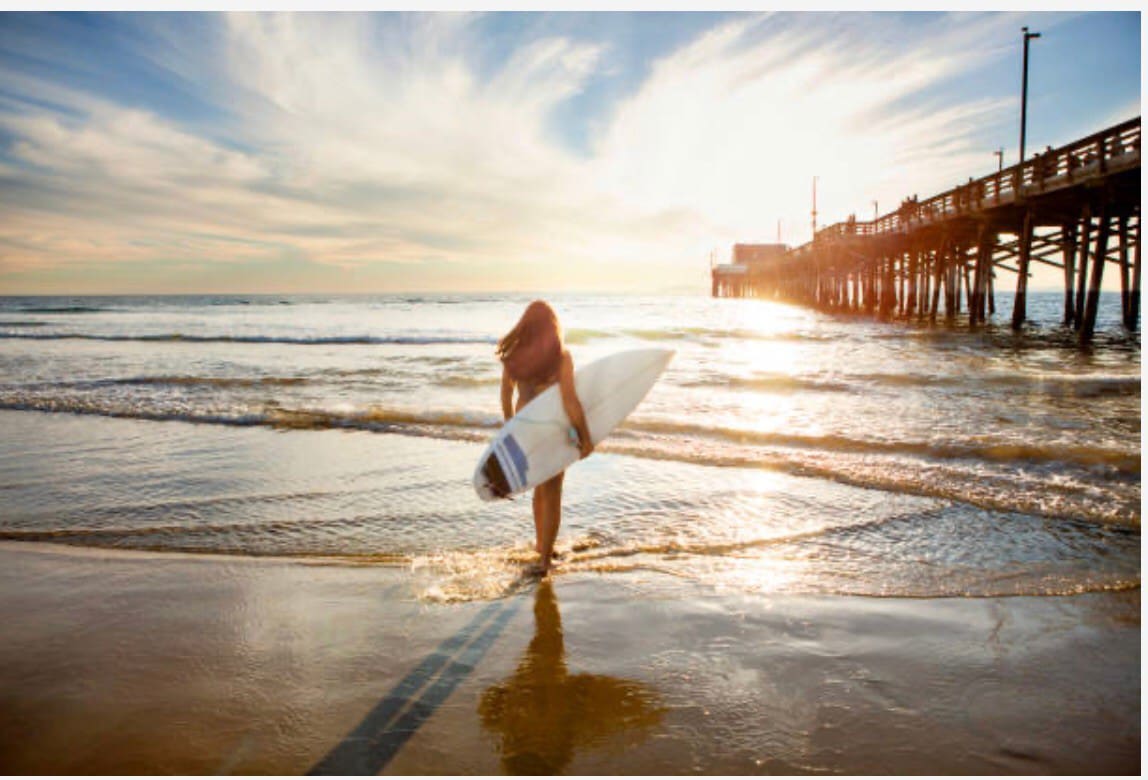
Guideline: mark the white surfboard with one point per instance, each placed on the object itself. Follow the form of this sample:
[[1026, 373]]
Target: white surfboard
[[537, 443]]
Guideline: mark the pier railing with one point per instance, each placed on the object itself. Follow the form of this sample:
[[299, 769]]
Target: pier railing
[[1117, 147]]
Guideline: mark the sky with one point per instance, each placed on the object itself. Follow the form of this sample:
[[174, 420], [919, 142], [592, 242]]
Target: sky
[[379, 152]]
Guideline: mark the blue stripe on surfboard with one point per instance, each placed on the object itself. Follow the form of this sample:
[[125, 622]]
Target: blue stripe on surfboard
[[518, 457], [513, 479]]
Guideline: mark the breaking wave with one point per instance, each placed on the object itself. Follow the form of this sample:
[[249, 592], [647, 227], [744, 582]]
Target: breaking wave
[[995, 475], [64, 309], [1117, 462], [224, 339]]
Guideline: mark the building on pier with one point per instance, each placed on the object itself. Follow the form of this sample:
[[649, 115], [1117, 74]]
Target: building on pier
[[750, 270]]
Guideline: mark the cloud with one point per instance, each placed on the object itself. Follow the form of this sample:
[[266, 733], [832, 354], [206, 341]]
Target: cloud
[[737, 124], [354, 142]]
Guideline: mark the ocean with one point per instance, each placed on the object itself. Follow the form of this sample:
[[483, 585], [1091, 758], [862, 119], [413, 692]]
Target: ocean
[[783, 451]]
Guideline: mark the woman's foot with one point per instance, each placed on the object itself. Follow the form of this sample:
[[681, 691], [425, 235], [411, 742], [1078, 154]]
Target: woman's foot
[[538, 569]]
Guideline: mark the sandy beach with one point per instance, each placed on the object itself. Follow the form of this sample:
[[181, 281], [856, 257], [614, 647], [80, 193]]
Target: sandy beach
[[163, 663]]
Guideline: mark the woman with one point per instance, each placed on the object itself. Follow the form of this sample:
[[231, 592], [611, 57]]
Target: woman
[[533, 358]]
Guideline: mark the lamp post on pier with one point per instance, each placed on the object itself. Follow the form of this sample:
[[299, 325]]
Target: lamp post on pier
[[1025, 242], [1000, 159], [1024, 89]]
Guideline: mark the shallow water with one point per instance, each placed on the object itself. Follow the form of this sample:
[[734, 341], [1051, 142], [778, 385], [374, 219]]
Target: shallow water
[[783, 450]]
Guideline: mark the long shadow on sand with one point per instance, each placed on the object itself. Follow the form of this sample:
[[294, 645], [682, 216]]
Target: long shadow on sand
[[395, 719]]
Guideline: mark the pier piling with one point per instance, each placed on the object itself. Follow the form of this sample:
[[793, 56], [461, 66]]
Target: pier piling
[[1134, 297], [1020, 302], [1082, 269], [1069, 244], [1092, 305]]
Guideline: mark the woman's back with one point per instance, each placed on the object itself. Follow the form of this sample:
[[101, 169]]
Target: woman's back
[[532, 350]]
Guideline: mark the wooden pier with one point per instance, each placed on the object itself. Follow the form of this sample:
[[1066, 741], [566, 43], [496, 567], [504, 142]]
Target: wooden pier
[[1076, 208]]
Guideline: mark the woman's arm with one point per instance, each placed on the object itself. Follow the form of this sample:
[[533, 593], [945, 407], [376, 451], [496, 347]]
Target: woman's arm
[[572, 405], [507, 395]]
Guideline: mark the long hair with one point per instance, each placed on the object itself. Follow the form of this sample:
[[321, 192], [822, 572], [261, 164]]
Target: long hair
[[532, 350]]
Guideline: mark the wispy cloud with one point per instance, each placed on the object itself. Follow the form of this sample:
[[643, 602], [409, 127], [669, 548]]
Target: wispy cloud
[[352, 142], [736, 125]]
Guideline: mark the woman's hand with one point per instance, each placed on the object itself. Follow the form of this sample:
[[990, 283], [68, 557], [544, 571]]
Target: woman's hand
[[585, 446], [580, 438]]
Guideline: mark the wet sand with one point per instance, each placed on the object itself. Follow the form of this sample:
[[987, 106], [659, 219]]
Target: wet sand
[[140, 663]]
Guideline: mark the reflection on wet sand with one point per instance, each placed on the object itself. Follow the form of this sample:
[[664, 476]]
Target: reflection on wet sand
[[542, 715]]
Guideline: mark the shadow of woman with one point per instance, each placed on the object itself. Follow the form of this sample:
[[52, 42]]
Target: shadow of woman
[[542, 714]]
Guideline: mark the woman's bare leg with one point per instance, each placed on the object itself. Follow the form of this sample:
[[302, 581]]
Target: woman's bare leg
[[539, 502], [547, 517]]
